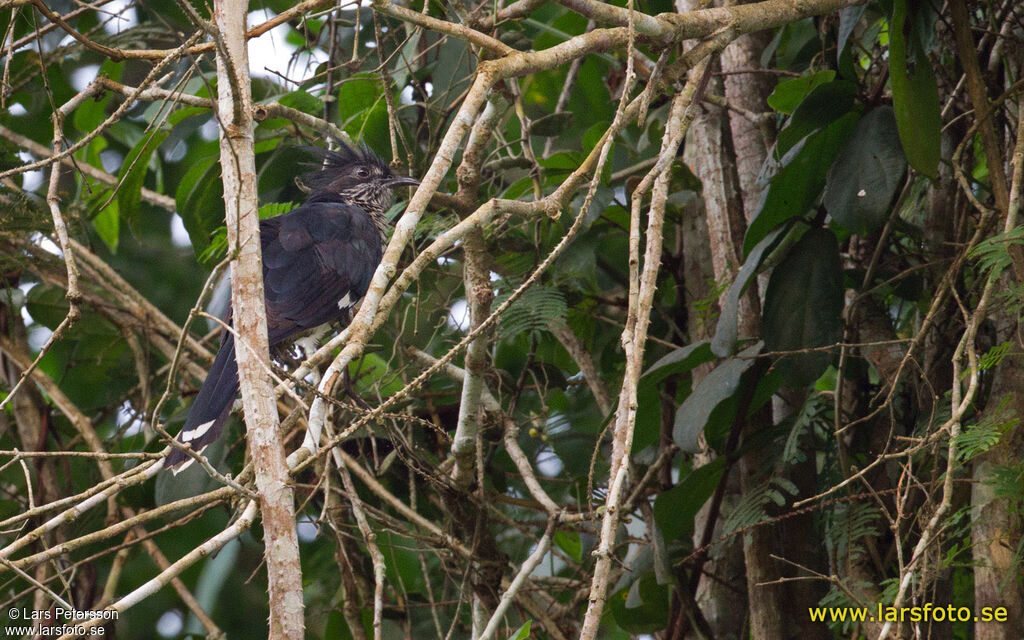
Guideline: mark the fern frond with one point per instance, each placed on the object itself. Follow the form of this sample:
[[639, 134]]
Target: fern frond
[[976, 439], [993, 254], [538, 306]]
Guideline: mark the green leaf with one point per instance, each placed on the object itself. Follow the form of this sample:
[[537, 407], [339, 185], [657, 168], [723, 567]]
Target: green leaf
[[915, 95], [523, 632], [133, 172], [373, 376], [108, 225], [569, 542], [822, 106], [363, 111], [551, 125], [721, 384], [183, 113], [797, 186], [848, 19], [865, 175], [564, 161], [789, 93], [724, 341], [272, 209], [277, 171], [682, 360], [200, 203], [676, 509], [91, 113], [803, 306], [302, 101], [794, 46], [402, 562], [642, 607], [47, 305]]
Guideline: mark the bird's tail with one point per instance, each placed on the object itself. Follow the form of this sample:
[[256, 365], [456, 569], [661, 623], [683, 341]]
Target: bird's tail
[[211, 408]]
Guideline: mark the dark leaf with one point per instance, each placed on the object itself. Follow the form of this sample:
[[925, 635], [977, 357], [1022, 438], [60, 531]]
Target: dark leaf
[[796, 187], [724, 341], [553, 124], [803, 306], [721, 384], [823, 105], [866, 174], [200, 202], [682, 360], [848, 19], [915, 96], [133, 173], [676, 509], [789, 93], [642, 607]]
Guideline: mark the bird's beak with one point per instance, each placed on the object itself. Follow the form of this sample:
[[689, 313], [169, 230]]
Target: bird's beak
[[403, 181]]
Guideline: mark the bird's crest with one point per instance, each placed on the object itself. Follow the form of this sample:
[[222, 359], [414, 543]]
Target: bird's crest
[[332, 164]]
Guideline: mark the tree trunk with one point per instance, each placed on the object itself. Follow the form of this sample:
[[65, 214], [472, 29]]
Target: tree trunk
[[238, 164], [995, 525]]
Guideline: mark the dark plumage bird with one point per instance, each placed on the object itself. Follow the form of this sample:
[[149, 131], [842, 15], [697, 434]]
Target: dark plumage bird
[[318, 260]]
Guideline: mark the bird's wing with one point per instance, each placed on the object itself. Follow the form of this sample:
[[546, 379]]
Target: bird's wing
[[317, 262]]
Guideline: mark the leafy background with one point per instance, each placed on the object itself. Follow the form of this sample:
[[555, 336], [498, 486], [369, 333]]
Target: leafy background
[[861, 120]]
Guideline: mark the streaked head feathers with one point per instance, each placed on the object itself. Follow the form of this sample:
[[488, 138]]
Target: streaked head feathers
[[334, 164], [355, 176]]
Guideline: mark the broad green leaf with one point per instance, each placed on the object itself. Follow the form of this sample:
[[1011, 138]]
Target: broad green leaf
[[593, 135], [108, 225], [865, 175], [569, 542], [648, 416], [724, 341], [277, 171], [848, 19], [720, 385], [363, 112], [794, 46], [47, 305], [823, 105], [564, 161], [183, 113], [374, 376], [682, 360], [676, 509], [803, 306], [915, 95], [303, 101], [402, 562], [94, 371], [789, 93], [200, 202], [272, 209], [642, 607], [91, 113], [133, 172], [797, 186], [523, 632]]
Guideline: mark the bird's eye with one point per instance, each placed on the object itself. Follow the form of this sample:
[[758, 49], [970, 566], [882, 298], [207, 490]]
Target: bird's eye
[[362, 172]]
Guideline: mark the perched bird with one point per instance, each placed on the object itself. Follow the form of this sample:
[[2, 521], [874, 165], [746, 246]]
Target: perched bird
[[318, 260]]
